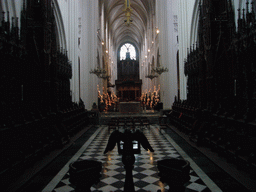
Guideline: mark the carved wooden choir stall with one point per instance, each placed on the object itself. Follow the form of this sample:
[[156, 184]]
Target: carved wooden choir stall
[[220, 109], [37, 113]]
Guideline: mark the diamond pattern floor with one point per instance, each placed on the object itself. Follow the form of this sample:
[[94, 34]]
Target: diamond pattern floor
[[145, 173]]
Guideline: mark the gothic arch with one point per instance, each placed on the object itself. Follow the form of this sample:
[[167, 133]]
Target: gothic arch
[[195, 19], [14, 7], [59, 25], [194, 23], [136, 49]]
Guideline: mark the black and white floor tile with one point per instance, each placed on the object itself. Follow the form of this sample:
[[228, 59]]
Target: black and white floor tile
[[145, 173]]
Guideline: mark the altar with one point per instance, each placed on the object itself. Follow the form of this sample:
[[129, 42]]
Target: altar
[[129, 107]]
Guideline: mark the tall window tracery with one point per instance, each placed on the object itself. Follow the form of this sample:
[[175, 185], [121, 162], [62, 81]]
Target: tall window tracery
[[127, 48]]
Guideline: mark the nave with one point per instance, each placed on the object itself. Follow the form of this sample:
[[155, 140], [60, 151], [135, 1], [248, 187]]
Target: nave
[[204, 174]]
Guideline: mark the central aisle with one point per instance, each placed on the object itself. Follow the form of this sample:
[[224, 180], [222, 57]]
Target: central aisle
[[145, 173]]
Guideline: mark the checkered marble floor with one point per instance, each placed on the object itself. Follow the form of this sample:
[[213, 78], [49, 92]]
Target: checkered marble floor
[[145, 173]]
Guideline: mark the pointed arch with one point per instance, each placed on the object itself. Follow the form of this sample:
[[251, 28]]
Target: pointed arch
[[194, 24], [61, 35], [119, 49]]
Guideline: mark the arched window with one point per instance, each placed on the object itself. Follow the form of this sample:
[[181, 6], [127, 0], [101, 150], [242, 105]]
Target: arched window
[[127, 48]]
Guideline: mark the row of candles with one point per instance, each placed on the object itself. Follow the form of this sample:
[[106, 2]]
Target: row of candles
[[148, 98], [106, 98], [151, 99]]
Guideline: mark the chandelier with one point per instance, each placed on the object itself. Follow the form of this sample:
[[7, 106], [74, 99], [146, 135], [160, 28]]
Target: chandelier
[[98, 71], [159, 70], [128, 12], [105, 76], [151, 76]]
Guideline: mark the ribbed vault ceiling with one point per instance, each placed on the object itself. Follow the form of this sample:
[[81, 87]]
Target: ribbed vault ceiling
[[115, 16]]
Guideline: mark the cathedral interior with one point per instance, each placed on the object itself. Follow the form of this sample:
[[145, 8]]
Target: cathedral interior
[[124, 86]]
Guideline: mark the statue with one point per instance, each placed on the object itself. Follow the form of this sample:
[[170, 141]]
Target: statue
[[128, 158]]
